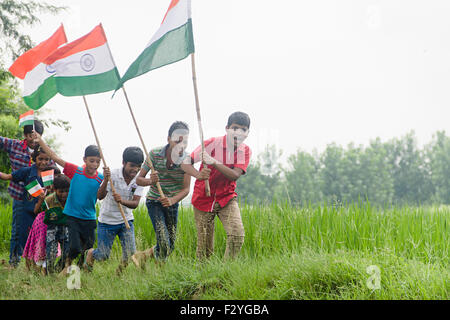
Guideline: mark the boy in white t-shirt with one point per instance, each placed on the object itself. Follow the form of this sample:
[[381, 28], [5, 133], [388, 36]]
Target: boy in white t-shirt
[[110, 220]]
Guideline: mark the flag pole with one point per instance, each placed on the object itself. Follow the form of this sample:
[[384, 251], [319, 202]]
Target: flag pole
[[148, 160], [199, 120], [104, 162]]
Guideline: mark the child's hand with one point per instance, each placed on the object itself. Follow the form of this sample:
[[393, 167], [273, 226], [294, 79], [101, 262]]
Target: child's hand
[[154, 178], [204, 174], [166, 202], [117, 197], [206, 158], [106, 173], [36, 136], [41, 197]]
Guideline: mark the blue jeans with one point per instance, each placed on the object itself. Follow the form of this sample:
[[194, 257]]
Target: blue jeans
[[106, 233], [164, 222], [20, 228]]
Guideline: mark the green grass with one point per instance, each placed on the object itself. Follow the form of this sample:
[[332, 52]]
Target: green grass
[[316, 252]]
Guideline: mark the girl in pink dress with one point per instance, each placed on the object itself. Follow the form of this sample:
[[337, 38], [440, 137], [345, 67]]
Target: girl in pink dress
[[34, 251]]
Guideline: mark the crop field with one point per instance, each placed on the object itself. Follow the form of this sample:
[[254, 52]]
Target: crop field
[[319, 252]]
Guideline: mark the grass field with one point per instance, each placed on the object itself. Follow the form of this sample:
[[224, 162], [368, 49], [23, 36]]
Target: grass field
[[317, 252]]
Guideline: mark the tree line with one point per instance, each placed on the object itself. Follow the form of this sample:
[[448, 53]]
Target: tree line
[[383, 173]]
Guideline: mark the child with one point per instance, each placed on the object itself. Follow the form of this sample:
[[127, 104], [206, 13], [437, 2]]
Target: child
[[36, 243], [228, 157], [110, 220], [55, 219], [25, 217], [163, 211], [19, 153], [80, 205]]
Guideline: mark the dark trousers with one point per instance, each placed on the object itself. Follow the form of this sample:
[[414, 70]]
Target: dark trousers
[[164, 222], [20, 228], [81, 237]]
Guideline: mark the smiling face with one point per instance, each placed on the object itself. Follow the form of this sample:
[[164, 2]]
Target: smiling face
[[236, 134], [92, 163], [130, 169], [42, 161]]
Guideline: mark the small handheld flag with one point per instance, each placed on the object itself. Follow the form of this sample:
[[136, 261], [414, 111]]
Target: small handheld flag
[[26, 119], [34, 188], [47, 177]]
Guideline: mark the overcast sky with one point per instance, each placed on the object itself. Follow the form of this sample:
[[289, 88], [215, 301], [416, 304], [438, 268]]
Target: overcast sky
[[307, 72]]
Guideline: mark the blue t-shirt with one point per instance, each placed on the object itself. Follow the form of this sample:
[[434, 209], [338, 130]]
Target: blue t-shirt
[[27, 175], [82, 196]]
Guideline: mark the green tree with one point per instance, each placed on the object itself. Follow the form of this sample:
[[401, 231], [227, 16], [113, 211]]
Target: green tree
[[410, 170], [302, 179], [438, 155], [333, 179], [261, 182]]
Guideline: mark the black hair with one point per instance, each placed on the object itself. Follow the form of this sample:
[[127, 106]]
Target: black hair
[[133, 154], [36, 152], [240, 118], [178, 125], [61, 181], [38, 127], [91, 151]]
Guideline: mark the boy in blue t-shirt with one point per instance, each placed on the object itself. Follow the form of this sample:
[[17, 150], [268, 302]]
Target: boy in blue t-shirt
[[80, 204]]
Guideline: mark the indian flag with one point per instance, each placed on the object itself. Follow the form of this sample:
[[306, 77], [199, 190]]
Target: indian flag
[[26, 119], [84, 66], [172, 42], [34, 188], [39, 86], [47, 177]]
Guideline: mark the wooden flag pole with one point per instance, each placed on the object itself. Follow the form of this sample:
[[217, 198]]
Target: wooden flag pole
[[104, 162], [148, 160], [199, 120]]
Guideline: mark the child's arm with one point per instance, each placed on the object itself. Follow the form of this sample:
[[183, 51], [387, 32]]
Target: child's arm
[[167, 202], [230, 174], [102, 191], [5, 176], [142, 181], [47, 150], [199, 175], [132, 204], [38, 205]]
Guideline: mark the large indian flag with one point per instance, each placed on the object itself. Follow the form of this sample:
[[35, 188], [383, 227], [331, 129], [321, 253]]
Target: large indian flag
[[84, 66], [39, 85], [172, 42]]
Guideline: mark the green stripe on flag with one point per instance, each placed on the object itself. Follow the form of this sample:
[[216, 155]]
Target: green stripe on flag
[[45, 92], [79, 86], [172, 47]]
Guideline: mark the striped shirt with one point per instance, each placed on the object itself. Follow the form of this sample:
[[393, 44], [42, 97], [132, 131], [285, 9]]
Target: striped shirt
[[171, 180], [20, 157]]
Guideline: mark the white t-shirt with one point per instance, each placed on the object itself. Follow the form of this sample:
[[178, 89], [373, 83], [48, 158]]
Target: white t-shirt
[[109, 210]]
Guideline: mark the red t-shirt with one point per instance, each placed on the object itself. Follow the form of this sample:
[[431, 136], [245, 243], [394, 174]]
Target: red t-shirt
[[222, 189]]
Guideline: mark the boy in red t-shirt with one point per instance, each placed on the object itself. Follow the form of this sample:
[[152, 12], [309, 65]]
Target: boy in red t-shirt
[[228, 158]]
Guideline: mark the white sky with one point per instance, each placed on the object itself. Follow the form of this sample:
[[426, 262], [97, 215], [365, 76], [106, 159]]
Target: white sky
[[307, 72]]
